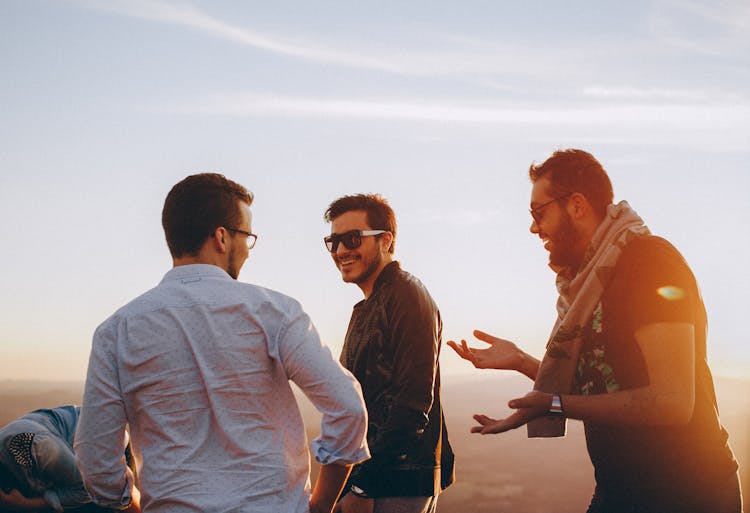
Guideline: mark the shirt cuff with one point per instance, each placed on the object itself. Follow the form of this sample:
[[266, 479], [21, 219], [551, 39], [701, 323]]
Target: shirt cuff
[[324, 456]]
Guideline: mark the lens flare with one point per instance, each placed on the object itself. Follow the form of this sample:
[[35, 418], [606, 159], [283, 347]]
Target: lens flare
[[671, 293]]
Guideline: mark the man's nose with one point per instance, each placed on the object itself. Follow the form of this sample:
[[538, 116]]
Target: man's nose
[[340, 248]]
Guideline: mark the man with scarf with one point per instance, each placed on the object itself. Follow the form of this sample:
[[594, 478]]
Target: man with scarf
[[627, 354]]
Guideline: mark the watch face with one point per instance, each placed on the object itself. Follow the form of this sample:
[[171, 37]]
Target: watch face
[[556, 406]]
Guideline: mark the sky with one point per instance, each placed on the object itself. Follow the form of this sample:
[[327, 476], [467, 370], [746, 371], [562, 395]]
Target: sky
[[440, 106]]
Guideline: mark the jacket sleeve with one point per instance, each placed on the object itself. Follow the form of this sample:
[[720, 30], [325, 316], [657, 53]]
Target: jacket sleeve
[[415, 330]]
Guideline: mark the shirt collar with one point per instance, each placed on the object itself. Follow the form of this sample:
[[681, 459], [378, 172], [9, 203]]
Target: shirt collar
[[386, 275], [192, 271]]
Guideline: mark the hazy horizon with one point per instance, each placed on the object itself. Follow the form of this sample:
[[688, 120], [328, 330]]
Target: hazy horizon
[[495, 471]]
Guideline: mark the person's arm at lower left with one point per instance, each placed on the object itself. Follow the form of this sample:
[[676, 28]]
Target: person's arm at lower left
[[14, 500]]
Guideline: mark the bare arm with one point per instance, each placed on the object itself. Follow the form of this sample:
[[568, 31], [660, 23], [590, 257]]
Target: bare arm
[[328, 487], [668, 350], [501, 354], [669, 353]]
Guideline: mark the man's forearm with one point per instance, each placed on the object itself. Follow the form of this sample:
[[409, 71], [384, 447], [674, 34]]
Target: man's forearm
[[640, 406], [669, 398], [527, 365], [328, 487]]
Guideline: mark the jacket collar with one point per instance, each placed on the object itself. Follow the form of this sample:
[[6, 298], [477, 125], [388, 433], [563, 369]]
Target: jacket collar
[[386, 275]]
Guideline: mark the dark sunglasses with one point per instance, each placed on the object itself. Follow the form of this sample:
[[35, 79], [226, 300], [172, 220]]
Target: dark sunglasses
[[351, 239]]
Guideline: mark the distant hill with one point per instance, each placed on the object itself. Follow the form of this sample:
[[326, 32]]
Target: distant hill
[[507, 472], [20, 397]]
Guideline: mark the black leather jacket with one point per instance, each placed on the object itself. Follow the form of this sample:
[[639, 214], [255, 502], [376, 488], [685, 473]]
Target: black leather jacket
[[392, 347]]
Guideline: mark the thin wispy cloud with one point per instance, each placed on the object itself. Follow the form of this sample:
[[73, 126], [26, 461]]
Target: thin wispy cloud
[[718, 29], [188, 16], [512, 66], [439, 56], [704, 125], [662, 95], [433, 53], [732, 14], [256, 104]]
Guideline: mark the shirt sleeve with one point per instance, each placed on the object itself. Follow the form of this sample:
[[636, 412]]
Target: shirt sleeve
[[101, 437], [415, 330], [664, 290], [331, 389]]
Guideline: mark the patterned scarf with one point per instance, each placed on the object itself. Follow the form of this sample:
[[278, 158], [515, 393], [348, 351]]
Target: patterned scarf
[[580, 294]]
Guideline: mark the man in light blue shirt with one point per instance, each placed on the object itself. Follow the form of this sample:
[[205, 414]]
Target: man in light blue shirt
[[200, 369]]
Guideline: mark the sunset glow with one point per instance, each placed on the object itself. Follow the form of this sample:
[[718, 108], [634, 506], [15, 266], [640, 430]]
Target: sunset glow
[[441, 107]]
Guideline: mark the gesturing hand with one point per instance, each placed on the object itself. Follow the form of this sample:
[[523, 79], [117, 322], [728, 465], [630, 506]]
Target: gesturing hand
[[502, 354], [532, 405]]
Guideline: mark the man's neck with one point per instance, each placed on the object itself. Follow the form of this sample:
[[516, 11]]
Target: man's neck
[[586, 236], [368, 286], [197, 259]]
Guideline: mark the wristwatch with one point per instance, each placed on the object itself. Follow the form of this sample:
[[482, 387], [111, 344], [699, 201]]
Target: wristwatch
[[556, 408], [359, 492]]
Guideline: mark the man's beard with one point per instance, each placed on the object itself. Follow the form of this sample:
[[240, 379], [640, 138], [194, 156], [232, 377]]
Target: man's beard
[[233, 268], [372, 267], [564, 242]]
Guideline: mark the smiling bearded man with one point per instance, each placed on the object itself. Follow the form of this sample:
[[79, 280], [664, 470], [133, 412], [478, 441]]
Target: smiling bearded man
[[627, 353], [392, 347]]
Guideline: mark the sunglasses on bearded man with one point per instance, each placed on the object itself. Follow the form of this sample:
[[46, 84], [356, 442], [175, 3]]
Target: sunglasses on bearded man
[[351, 239]]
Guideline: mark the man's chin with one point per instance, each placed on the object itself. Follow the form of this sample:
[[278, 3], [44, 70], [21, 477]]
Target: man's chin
[[558, 261]]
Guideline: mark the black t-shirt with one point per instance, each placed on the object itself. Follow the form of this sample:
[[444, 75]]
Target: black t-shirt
[[651, 284]]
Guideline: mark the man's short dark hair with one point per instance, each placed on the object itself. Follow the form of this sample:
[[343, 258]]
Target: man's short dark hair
[[575, 170], [197, 206], [380, 215]]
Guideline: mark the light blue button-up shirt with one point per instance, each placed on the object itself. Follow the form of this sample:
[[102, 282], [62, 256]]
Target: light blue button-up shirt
[[200, 369]]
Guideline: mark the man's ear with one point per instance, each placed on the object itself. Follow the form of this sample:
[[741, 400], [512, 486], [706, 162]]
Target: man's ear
[[219, 238], [578, 205], [387, 241]]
